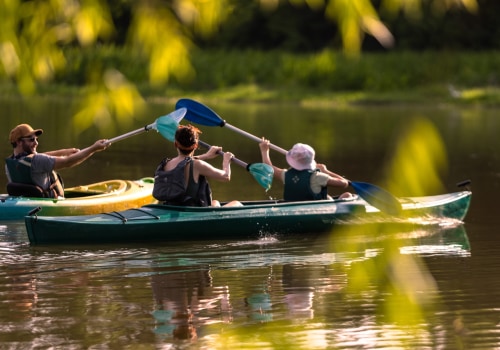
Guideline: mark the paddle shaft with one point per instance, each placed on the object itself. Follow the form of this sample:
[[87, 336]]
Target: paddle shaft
[[261, 172], [234, 159], [166, 125], [253, 137], [201, 114], [132, 133]]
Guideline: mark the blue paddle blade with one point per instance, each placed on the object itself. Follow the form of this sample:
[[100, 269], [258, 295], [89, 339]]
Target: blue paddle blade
[[168, 124], [377, 197], [199, 113], [263, 174]]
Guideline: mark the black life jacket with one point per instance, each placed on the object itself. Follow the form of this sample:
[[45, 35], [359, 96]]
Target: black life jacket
[[170, 186], [18, 169], [298, 186]]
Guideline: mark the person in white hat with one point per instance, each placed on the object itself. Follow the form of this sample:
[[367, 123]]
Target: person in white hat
[[304, 180], [26, 166]]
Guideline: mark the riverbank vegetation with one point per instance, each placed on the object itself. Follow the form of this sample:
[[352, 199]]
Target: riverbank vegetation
[[328, 77]]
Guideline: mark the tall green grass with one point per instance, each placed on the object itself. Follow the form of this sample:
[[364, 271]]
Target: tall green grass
[[332, 70]]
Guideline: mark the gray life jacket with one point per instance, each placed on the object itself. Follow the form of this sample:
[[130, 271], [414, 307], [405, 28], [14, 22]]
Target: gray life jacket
[[18, 169], [170, 186]]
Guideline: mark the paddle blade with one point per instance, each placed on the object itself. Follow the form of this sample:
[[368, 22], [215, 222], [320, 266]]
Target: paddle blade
[[263, 174], [377, 197], [167, 125], [199, 113]]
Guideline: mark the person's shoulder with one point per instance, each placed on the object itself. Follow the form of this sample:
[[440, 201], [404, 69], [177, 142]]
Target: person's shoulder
[[319, 173], [280, 173], [319, 177], [200, 163], [43, 157], [46, 156]]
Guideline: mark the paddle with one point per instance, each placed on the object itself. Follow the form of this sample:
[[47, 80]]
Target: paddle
[[166, 125], [374, 195], [200, 114], [261, 172]]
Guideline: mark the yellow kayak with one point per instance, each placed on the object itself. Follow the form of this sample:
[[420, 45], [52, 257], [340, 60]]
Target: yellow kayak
[[105, 196]]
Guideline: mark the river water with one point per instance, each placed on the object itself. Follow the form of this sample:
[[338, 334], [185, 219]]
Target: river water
[[383, 287]]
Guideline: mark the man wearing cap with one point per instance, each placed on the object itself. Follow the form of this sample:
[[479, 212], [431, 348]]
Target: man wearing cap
[[304, 180], [26, 166]]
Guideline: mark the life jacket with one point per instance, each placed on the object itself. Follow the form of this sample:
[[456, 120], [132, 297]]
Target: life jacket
[[18, 169], [298, 186], [170, 186]]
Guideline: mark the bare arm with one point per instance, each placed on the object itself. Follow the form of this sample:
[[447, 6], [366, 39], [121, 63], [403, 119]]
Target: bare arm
[[80, 156], [212, 172], [211, 153], [335, 179], [264, 151], [62, 152]]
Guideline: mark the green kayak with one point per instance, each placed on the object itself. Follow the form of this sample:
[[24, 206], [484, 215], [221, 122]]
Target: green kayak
[[157, 222]]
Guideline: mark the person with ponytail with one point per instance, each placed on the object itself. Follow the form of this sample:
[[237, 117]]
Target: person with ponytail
[[183, 180]]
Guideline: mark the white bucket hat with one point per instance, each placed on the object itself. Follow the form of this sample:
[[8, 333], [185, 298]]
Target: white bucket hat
[[301, 157]]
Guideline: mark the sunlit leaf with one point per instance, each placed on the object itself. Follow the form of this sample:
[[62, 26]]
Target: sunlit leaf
[[113, 101], [419, 161], [93, 21], [204, 16], [9, 58], [351, 16], [157, 34]]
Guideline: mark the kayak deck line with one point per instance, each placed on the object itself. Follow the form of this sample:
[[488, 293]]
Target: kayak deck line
[[132, 217]]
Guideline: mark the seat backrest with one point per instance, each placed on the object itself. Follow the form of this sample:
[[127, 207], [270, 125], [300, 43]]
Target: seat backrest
[[25, 190]]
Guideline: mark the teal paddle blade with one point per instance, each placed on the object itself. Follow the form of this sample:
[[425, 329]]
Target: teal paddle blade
[[168, 124], [263, 174]]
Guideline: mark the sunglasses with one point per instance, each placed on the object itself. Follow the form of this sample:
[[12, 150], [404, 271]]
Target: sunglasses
[[30, 138]]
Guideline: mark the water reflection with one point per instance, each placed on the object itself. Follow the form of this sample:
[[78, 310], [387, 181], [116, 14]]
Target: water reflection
[[299, 291], [446, 242], [186, 299], [433, 240], [212, 293]]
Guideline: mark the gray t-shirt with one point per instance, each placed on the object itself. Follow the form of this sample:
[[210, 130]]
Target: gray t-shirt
[[42, 166]]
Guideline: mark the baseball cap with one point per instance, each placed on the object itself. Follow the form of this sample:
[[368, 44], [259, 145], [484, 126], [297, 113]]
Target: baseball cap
[[23, 130]]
